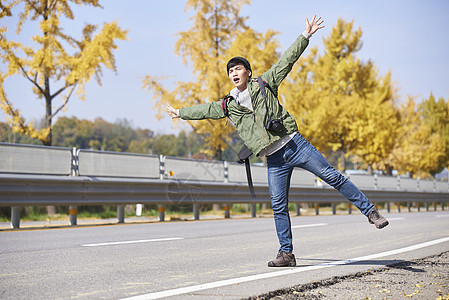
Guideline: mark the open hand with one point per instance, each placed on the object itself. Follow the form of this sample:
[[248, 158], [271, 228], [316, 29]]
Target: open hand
[[313, 26], [173, 112]]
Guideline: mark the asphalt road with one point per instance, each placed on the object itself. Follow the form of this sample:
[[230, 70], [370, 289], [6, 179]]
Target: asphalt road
[[220, 259]]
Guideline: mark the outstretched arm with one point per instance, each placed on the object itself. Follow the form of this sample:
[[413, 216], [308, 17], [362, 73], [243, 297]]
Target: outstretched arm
[[283, 66], [312, 27], [211, 110]]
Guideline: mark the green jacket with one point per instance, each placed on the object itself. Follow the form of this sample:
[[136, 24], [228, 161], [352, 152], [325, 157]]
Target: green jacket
[[251, 125]]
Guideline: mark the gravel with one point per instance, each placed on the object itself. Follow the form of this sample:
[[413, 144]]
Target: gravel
[[426, 278]]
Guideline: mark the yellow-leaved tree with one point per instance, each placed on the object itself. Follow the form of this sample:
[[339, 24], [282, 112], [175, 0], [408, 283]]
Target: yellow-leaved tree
[[56, 64], [340, 102], [436, 116], [417, 150], [218, 33], [374, 130]]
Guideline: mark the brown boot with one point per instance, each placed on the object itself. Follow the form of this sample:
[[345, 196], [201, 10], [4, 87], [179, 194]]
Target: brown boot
[[374, 217], [283, 260]]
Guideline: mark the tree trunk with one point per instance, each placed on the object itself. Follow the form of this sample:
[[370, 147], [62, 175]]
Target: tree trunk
[[48, 111], [51, 209], [342, 161], [218, 154]]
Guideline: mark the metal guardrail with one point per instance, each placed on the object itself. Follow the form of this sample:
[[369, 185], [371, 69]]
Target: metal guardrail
[[34, 175], [40, 160], [115, 164], [30, 159]]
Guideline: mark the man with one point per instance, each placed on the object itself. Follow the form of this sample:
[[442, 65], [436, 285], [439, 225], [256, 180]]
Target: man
[[284, 147]]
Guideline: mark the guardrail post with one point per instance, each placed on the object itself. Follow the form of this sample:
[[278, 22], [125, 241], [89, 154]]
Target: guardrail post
[[161, 166], [334, 208], [75, 162], [139, 210], [298, 208], [399, 207], [226, 171], [376, 186], [317, 209], [73, 215], [388, 206], [253, 210], [15, 217], [349, 208], [196, 211], [434, 206], [427, 206], [121, 213], [442, 205], [161, 212], [419, 206], [409, 206], [227, 213]]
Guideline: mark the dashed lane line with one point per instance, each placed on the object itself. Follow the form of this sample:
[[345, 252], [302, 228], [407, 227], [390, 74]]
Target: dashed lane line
[[174, 238], [309, 225], [132, 242], [442, 216], [396, 219]]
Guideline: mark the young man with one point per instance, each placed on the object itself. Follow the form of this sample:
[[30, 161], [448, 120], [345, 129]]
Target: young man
[[283, 146]]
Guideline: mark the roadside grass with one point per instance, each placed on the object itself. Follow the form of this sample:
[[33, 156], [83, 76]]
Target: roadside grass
[[183, 211]]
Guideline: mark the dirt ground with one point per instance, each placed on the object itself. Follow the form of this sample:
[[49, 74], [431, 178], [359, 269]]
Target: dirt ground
[[426, 278]]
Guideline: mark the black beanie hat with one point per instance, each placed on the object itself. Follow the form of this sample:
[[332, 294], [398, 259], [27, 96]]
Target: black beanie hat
[[238, 61]]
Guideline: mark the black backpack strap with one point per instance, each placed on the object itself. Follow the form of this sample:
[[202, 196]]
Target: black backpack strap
[[249, 178], [262, 83], [244, 155]]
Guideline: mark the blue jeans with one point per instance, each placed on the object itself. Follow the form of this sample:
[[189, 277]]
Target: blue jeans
[[300, 153]]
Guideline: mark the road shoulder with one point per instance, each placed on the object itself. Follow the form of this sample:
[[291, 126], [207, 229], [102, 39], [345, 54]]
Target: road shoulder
[[425, 278]]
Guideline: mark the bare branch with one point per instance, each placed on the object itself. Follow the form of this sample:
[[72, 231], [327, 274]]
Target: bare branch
[[30, 79], [62, 89], [66, 100]]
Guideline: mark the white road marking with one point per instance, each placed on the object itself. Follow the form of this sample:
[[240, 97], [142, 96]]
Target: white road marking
[[395, 219], [132, 242], [310, 225], [210, 285], [442, 216]]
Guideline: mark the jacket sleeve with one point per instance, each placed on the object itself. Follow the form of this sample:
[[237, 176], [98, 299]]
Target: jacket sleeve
[[212, 110], [284, 65]]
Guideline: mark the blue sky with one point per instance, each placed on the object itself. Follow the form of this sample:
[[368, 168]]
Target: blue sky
[[407, 37]]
